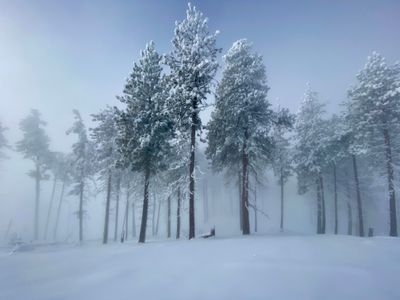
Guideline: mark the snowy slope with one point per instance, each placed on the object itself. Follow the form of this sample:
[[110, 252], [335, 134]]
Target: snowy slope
[[256, 267]]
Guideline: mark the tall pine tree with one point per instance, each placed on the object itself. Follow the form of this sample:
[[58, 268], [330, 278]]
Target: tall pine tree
[[145, 126], [193, 64], [374, 111], [240, 127]]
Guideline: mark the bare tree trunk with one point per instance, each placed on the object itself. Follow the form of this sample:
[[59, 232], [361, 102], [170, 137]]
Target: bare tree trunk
[[59, 210], [133, 220], [127, 212], [191, 175], [359, 202], [390, 179], [205, 200], [169, 217], [323, 223], [178, 214], [240, 199], [158, 217], [80, 213], [50, 207], [117, 208], [37, 200], [153, 215], [107, 213], [349, 219], [319, 207], [282, 190], [143, 225], [255, 207], [245, 191], [335, 199]]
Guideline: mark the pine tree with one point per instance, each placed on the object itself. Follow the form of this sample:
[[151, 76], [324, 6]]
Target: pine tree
[[34, 145], [282, 157], [374, 112], [193, 64], [310, 145], [145, 126], [107, 155], [82, 165], [64, 162], [56, 166], [240, 126]]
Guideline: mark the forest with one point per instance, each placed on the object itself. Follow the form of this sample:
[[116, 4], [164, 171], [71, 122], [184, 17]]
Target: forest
[[142, 158], [149, 144]]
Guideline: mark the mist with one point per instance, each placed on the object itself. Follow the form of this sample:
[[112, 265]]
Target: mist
[[273, 125]]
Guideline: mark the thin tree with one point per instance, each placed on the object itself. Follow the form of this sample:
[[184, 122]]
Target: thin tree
[[34, 145], [82, 165]]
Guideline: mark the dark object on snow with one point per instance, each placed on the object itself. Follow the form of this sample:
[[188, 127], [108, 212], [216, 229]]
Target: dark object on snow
[[370, 232], [210, 234]]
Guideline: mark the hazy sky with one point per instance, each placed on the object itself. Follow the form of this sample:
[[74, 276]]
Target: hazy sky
[[60, 55]]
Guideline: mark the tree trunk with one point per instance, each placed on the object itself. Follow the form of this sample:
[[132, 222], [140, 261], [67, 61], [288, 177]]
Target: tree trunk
[[390, 179], [191, 176], [335, 199], [349, 220], [133, 220], [205, 201], [153, 216], [117, 208], [319, 207], [59, 210], [127, 212], [107, 213], [245, 191], [240, 199], [178, 214], [143, 225], [282, 190], [323, 221], [255, 207], [80, 212], [359, 202], [158, 217], [50, 207], [37, 200], [169, 217]]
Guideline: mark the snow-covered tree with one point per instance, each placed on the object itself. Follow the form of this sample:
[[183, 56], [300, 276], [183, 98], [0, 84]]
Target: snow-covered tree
[[309, 153], [64, 163], [193, 64], [107, 155], [240, 126], [58, 168], [374, 113], [282, 156], [145, 126], [82, 165], [34, 145]]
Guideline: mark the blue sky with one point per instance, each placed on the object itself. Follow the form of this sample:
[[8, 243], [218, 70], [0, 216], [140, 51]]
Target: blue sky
[[60, 55]]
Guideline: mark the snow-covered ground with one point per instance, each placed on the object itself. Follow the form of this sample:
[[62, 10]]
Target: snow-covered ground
[[256, 267]]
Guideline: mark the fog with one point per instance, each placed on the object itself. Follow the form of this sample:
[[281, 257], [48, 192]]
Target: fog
[[76, 55]]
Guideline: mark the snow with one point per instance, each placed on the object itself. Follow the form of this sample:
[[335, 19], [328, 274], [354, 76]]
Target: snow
[[255, 267]]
